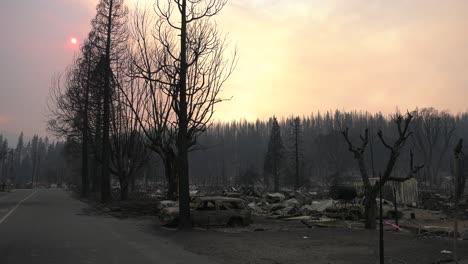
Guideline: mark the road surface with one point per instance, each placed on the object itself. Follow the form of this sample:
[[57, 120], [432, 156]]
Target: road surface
[[49, 226]]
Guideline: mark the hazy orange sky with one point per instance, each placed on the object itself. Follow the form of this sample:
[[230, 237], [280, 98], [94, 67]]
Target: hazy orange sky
[[295, 57]]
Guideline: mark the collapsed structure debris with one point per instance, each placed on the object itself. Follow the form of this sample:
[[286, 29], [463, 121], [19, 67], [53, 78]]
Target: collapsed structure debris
[[343, 207]]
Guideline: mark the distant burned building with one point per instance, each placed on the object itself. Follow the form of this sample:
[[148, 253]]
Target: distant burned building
[[406, 192]]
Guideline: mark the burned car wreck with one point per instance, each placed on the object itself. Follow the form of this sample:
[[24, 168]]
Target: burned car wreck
[[210, 211]]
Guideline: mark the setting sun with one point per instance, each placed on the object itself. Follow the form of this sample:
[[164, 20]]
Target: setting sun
[[73, 41]]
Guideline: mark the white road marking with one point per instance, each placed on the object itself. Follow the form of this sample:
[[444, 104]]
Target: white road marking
[[16, 206]]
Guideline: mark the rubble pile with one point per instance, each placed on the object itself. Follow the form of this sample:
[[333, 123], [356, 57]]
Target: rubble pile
[[314, 207], [285, 204]]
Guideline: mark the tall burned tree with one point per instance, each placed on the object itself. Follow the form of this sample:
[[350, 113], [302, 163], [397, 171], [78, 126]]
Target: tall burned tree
[[86, 64], [296, 137], [81, 108], [371, 191], [69, 108], [3, 159], [201, 71], [95, 119], [191, 68], [34, 159], [129, 153], [148, 97], [19, 153], [274, 156], [109, 25], [433, 135]]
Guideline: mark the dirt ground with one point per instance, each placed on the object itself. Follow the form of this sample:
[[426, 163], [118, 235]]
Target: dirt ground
[[270, 241], [280, 242], [431, 218]]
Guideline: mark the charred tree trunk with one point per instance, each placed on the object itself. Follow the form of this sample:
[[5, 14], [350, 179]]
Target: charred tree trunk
[[95, 183], [105, 177], [123, 188], [84, 132], [182, 138], [84, 166], [97, 166], [171, 178], [370, 207]]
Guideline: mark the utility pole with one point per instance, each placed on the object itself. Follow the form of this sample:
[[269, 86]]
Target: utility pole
[[296, 146], [395, 205], [459, 188], [381, 234]]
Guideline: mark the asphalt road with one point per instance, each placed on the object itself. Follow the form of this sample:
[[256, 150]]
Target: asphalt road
[[49, 226]]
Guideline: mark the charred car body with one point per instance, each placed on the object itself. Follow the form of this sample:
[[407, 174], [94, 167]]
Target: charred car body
[[211, 211], [355, 210]]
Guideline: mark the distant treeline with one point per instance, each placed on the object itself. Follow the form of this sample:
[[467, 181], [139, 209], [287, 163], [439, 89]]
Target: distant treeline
[[236, 153], [39, 160]]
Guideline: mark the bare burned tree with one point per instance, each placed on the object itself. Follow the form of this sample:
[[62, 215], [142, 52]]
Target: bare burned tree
[[200, 71], [68, 106], [189, 66], [64, 105], [433, 135], [274, 157], [372, 190], [297, 126], [71, 104], [148, 98], [128, 150], [109, 26], [85, 124], [3, 162]]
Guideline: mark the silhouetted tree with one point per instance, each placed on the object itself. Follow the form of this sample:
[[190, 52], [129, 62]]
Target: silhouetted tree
[[3, 160], [192, 66], [296, 138], [433, 135], [274, 156], [69, 109], [34, 159], [18, 155], [371, 190], [109, 26], [87, 63], [150, 103], [128, 150]]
